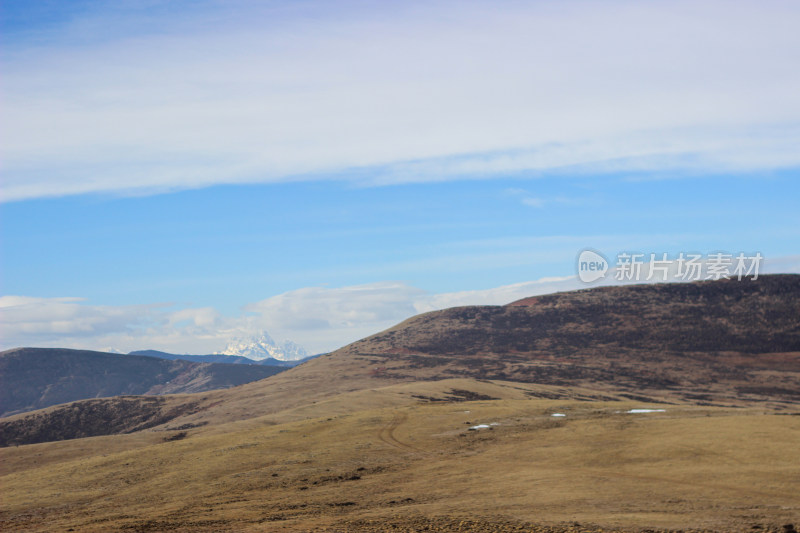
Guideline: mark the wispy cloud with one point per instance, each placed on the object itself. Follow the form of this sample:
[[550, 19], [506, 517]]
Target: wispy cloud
[[387, 94], [538, 201]]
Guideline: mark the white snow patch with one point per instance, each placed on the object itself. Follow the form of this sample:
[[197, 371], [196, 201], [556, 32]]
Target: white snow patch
[[483, 426], [636, 411], [558, 414]]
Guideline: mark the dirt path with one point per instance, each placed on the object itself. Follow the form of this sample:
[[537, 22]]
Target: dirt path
[[387, 433]]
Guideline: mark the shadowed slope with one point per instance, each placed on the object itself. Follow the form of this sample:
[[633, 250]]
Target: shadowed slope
[[33, 378]]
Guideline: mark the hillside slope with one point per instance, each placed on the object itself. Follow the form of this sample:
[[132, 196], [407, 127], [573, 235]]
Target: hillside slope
[[33, 378], [394, 462], [715, 341]]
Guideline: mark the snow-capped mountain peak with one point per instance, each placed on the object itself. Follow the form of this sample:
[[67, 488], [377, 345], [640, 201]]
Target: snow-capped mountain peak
[[262, 346]]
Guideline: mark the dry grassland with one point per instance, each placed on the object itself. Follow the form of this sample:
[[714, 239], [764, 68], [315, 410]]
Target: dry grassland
[[403, 458]]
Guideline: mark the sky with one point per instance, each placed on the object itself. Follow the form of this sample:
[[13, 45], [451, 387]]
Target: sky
[[178, 174]]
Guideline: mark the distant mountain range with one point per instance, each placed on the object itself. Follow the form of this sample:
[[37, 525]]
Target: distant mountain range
[[261, 346], [259, 349], [33, 378], [221, 358]]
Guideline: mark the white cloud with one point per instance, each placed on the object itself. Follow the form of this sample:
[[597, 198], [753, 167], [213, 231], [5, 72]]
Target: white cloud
[[500, 295], [326, 318], [533, 202], [74, 323], [205, 317], [539, 201], [392, 93], [59, 317]]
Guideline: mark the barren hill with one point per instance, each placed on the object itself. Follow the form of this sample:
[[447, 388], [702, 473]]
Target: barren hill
[[710, 341]]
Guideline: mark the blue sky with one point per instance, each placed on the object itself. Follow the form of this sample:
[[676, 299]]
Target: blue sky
[[176, 174]]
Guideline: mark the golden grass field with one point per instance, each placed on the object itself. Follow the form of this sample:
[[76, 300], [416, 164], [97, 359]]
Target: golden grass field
[[391, 458]]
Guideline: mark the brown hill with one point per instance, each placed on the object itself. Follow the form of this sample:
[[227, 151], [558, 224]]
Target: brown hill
[[710, 341]]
